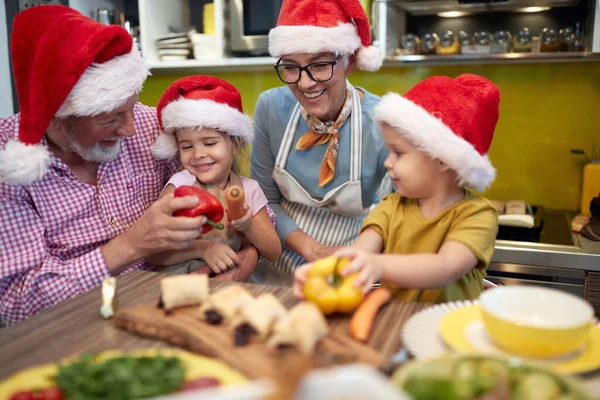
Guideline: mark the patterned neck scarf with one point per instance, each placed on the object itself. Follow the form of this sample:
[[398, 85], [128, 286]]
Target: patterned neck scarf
[[325, 133]]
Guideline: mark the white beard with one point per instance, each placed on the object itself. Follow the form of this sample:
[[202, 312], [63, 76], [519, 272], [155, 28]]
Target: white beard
[[96, 153]]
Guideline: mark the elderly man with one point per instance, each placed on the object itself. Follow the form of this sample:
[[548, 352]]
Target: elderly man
[[78, 182]]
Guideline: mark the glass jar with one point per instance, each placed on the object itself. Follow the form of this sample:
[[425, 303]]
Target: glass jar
[[501, 42], [467, 42], [429, 42], [448, 44], [523, 41], [549, 40], [483, 40], [566, 37], [410, 44]]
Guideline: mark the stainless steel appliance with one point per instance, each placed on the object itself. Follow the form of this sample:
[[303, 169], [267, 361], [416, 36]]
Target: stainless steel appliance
[[569, 280], [536, 258], [249, 24]]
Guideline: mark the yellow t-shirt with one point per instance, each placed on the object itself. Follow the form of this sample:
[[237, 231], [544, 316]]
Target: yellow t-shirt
[[472, 221]]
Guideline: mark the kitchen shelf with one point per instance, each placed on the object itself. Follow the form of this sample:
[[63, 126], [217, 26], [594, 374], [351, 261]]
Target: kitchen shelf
[[266, 63], [493, 58], [432, 7], [233, 63]]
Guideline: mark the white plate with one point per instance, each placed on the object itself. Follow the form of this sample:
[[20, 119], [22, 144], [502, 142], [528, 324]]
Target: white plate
[[173, 58], [253, 390], [420, 336], [356, 381], [175, 40], [186, 45], [420, 333], [478, 337], [174, 52]]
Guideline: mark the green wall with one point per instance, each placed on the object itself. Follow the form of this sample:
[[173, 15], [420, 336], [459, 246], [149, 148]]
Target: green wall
[[545, 110]]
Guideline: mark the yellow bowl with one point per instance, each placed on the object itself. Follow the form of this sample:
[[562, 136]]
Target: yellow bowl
[[537, 322]]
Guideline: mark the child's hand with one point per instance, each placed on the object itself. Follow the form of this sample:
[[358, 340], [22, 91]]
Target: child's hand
[[300, 276], [370, 271], [241, 224], [220, 257]]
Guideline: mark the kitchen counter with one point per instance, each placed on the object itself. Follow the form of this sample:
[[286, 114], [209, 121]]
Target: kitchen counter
[[555, 244], [583, 255]]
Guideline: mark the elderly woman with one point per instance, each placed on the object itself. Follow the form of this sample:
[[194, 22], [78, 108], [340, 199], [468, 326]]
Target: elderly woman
[[317, 153]]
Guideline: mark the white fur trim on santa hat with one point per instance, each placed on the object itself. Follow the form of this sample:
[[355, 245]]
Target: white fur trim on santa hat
[[22, 164], [104, 87], [309, 39], [433, 137], [185, 113], [369, 58], [165, 147]]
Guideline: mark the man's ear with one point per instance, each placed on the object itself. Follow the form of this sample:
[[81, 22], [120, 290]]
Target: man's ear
[[58, 125]]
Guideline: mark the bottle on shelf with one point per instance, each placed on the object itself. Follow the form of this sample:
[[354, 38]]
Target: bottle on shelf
[[483, 40], [579, 41], [523, 41], [448, 44], [467, 42], [549, 41], [429, 43], [410, 44], [501, 42], [566, 38]]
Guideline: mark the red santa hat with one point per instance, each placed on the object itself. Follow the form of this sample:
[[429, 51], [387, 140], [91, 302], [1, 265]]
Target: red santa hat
[[197, 102], [65, 64], [452, 120], [315, 26]]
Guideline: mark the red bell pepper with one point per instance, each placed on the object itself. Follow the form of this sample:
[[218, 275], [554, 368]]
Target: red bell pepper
[[208, 205]]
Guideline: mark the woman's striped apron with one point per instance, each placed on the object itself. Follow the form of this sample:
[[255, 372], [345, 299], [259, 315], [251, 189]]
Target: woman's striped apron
[[336, 219]]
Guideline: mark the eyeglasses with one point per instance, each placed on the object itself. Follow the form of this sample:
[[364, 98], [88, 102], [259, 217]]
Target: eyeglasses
[[321, 71]]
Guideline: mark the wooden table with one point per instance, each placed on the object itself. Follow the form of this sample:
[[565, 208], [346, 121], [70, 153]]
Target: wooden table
[[76, 326]]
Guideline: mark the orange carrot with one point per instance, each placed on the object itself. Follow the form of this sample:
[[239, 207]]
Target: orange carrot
[[235, 202], [363, 319]]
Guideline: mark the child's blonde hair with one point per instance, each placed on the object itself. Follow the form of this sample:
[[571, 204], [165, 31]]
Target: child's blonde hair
[[239, 151]]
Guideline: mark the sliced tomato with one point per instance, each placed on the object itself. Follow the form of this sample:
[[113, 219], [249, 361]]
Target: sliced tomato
[[200, 383], [50, 394], [23, 395]]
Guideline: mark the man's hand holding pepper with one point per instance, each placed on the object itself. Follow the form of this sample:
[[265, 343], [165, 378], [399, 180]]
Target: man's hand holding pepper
[[156, 231]]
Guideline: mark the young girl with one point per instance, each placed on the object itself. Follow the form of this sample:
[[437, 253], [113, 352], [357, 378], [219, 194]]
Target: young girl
[[432, 239], [204, 124]]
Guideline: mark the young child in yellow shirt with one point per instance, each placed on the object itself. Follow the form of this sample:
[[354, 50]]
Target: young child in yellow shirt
[[432, 239]]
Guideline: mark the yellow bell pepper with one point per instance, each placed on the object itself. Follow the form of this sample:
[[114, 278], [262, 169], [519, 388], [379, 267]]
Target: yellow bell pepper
[[328, 289]]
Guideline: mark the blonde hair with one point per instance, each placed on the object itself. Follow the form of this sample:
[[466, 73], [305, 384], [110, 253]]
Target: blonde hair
[[239, 151]]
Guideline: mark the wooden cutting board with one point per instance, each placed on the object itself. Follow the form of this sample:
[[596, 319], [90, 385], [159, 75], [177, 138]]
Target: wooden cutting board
[[183, 328]]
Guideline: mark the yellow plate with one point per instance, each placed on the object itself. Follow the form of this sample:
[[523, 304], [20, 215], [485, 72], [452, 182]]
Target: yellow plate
[[453, 328], [196, 366]]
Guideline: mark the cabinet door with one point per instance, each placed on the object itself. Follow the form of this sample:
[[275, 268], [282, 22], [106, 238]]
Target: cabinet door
[[593, 290]]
